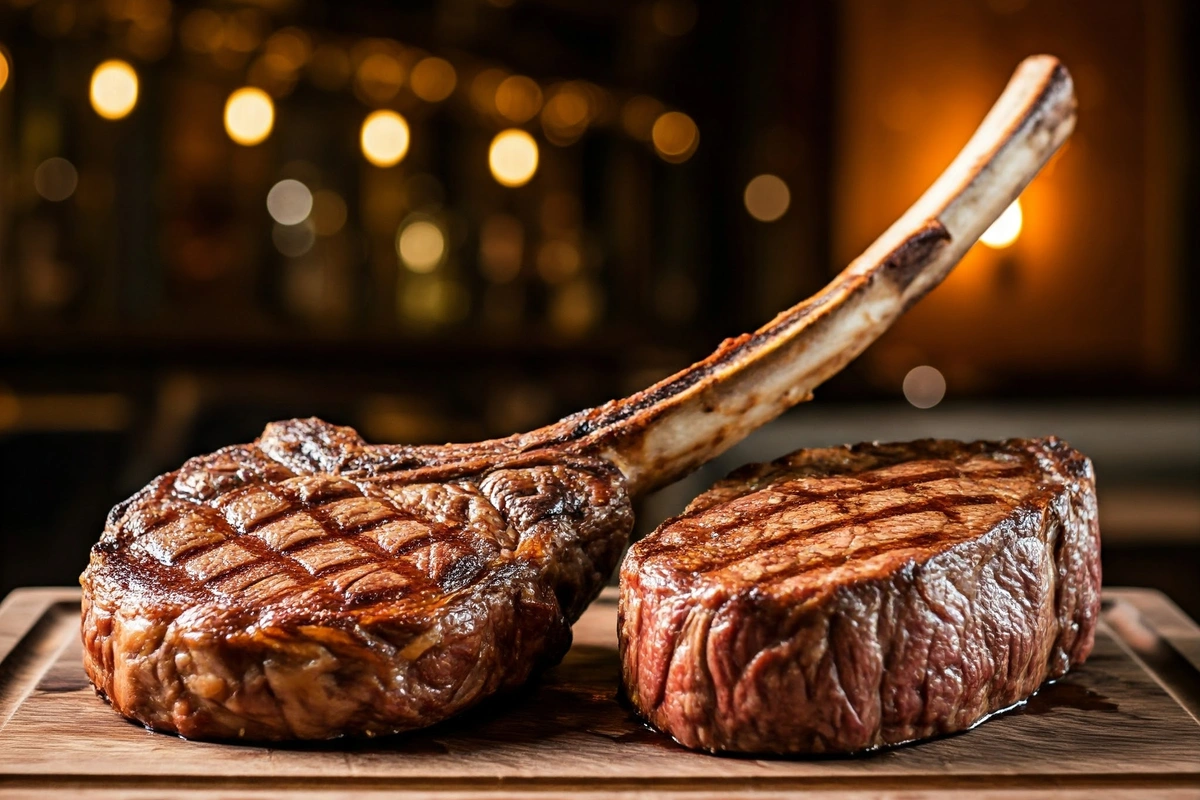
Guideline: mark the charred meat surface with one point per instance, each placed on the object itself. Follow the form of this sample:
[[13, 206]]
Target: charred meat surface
[[309, 585], [844, 599]]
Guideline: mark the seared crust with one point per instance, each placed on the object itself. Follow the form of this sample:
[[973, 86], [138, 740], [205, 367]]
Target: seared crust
[[849, 598], [311, 586]]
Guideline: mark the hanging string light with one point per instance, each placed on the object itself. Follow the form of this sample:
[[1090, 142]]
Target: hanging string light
[[513, 157], [249, 116], [381, 68], [433, 79], [114, 89], [384, 138], [675, 137]]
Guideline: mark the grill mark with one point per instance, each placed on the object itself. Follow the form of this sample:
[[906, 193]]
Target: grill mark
[[196, 586], [800, 497], [268, 488], [946, 505], [794, 497], [251, 468], [416, 581], [200, 588], [263, 554], [410, 547], [342, 566]]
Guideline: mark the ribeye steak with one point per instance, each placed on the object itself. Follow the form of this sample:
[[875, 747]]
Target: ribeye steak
[[310, 585], [848, 598]]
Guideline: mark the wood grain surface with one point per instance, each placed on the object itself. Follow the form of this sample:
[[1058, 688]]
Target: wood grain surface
[[1125, 723]]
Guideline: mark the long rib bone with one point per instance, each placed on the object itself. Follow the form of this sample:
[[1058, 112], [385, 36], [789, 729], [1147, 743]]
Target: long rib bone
[[658, 435], [310, 585]]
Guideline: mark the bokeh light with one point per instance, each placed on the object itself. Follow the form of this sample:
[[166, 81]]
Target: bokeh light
[[482, 92], [384, 138], [673, 17], [1005, 230], [433, 79], [378, 78], [294, 241], [924, 387], [576, 307], [518, 98], [513, 157], [114, 89], [201, 30], [639, 114], [767, 198], [3, 69], [289, 202], [292, 45], [421, 245], [274, 73], [55, 179], [567, 113], [249, 115], [675, 136]]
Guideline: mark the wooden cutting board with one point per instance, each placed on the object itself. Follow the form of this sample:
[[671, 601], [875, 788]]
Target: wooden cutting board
[[1125, 724]]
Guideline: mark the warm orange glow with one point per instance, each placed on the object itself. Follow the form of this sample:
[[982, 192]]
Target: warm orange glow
[[3, 70], [483, 89], [675, 137], [291, 46], [433, 79], [384, 138], [379, 78], [566, 114], [114, 89], [569, 109], [1005, 230], [673, 17], [273, 73], [201, 30], [638, 116], [513, 157], [767, 198], [249, 116], [518, 98]]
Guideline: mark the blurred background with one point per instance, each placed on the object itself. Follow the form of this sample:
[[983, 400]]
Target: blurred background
[[455, 219]]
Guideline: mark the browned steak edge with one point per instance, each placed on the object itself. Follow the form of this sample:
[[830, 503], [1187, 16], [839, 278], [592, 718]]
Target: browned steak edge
[[926, 649]]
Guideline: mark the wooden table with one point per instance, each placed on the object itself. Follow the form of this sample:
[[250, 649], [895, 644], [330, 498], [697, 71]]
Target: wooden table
[[1123, 725]]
